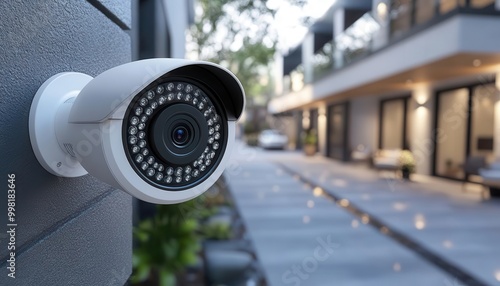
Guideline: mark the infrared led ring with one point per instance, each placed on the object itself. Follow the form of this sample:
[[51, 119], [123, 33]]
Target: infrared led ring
[[173, 134]]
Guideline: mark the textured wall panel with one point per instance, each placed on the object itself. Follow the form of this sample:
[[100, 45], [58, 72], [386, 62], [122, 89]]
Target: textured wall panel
[[119, 11], [84, 251], [37, 40]]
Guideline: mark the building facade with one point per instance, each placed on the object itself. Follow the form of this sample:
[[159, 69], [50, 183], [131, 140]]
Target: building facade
[[70, 231], [407, 74]]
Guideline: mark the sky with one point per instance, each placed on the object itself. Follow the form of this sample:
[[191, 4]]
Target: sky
[[287, 19]]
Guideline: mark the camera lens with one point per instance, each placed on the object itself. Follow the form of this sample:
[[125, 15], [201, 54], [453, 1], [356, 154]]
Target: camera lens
[[180, 135]]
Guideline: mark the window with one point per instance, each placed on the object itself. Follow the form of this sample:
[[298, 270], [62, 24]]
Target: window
[[482, 118], [400, 17], [393, 124], [408, 13], [300, 129], [313, 122], [465, 128], [337, 131], [424, 10], [481, 3], [446, 6], [452, 132]]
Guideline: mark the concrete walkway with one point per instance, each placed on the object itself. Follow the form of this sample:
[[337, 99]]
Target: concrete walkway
[[302, 238]]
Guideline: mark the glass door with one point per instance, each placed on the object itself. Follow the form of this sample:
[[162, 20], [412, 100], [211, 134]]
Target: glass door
[[393, 124], [313, 122], [464, 128], [452, 120], [482, 118], [338, 131]]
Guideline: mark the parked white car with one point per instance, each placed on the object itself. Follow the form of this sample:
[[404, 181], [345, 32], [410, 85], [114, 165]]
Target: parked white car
[[272, 139]]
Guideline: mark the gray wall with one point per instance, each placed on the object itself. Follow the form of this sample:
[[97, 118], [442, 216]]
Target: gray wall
[[70, 231]]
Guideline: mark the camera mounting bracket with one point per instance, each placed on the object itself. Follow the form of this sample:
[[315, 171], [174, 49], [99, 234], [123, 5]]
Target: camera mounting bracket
[[53, 93]]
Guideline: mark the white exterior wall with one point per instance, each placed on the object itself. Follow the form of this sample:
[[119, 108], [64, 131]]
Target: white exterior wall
[[177, 18], [307, 57], [322, 129], [338, 28], [421, 112], [278, 73]]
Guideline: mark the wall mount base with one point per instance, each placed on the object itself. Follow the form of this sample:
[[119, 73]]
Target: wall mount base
[[42, 123]]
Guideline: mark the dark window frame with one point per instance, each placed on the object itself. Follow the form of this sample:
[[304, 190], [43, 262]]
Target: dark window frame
[[314, 122], [345, 144], [438, 16], [406, 101], [300, 129], [468, 131]]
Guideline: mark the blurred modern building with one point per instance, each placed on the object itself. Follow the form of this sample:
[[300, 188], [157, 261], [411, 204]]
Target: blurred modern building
[[422, 75]]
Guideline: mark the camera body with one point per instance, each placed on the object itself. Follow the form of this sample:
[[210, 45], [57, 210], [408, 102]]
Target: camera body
[[159, 129]]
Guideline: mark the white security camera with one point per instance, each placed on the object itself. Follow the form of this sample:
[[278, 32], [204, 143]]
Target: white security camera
[[160, 129]]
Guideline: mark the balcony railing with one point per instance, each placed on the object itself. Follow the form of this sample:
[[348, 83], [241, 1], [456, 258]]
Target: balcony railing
[[323, 62], [296, 80], [354, 42]]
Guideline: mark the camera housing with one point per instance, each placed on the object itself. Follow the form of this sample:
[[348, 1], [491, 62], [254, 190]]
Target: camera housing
[[159, 129]]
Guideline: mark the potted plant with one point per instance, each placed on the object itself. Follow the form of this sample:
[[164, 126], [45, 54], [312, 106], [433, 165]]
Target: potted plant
[[407, 164], [310, 142], [216, 230]]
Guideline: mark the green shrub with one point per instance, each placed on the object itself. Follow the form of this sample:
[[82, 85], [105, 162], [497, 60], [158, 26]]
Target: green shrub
[[166, 244], [407, 161], [216, 231], [252, 139], [311, 138]]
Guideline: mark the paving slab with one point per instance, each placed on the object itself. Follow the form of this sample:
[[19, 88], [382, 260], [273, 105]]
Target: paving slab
[[460, 227], [302, 239]]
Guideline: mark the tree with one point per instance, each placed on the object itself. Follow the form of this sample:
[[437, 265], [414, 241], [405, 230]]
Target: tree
[[238, 34]]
